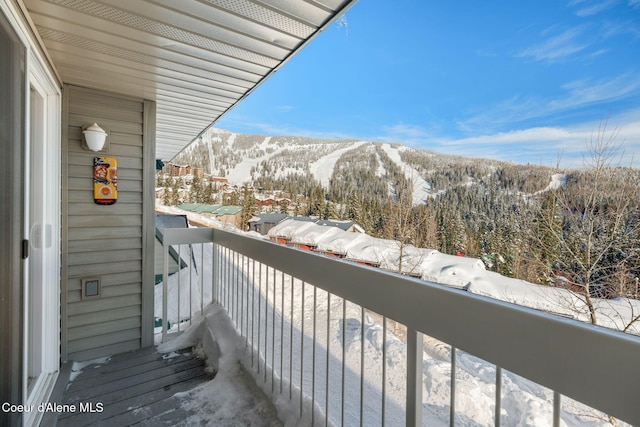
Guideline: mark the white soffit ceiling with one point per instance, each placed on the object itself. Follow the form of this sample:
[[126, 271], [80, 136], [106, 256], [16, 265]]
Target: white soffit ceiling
[[196, 58]]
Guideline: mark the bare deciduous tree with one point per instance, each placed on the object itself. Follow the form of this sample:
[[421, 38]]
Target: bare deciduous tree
[[593, 235]]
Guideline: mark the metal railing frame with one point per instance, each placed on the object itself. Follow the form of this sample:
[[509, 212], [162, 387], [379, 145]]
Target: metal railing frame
[[593, 365]]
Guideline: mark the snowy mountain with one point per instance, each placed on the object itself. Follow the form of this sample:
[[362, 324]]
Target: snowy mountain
[[281, 160]]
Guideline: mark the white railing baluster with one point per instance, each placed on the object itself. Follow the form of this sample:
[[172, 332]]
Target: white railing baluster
[[452, 389], [234, 289], [313, 358], [384, 371], [326, 379], [344, 357], [165, 290], [238, 301], [498, 404], [281, 330], [266, 322], [224, 300], [202, 278], [214, 273], [259, 310], [273, 332], [291, 342], [245, 298], [229, 284], [190, 255], [414, 378], [302, 347], [179, 283], [362, 345], [253, 311], [556, 408], [231, 309]]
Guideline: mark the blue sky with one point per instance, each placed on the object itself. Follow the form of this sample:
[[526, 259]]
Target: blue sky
[[529, 82]]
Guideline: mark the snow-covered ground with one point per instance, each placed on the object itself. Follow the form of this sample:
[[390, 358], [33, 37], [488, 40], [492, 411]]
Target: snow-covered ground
[[341, 331]]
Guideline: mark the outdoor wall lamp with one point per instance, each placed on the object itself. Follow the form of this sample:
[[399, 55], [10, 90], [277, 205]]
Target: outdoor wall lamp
[[94, 137]]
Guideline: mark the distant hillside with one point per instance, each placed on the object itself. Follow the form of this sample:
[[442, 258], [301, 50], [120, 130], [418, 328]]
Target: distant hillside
[[343, 167]]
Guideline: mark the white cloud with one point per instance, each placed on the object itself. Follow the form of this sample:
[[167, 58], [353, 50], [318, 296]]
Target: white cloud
[[557, 47], [538, 145], [284, 108], [585, 92], [589, 8], [577, 94]]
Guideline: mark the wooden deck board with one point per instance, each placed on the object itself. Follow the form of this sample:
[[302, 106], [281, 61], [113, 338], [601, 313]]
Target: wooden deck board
[[131, 387], [132, 377]]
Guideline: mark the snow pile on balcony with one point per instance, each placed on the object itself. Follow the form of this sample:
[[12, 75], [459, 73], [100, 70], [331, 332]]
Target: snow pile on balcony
[[232, 397]]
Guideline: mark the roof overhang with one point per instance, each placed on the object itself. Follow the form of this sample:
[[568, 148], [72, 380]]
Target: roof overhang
[[195, 58]]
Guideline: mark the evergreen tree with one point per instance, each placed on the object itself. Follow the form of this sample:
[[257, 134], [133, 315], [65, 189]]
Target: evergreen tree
[[317, 202], [166, 197], [249, 207], [284, 207], [197, 193], [175, 192]]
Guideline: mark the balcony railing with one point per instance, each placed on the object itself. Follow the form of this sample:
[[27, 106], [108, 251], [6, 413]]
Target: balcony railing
[[306, 319]]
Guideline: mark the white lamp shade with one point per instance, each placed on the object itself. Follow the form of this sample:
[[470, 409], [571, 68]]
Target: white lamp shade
[[95, 137]]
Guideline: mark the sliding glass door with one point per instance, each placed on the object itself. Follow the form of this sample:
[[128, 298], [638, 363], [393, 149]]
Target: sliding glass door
[[42, 216], [12, 136]]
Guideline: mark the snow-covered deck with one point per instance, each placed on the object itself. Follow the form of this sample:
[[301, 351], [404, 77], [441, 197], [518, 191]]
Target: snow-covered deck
[[132, 387]]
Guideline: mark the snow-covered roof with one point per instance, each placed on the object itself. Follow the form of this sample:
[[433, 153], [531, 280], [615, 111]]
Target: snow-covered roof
[[288, 227], [451, 270], [312, 235], [343, 225], [372, 250], [268, 218], [341, 243]]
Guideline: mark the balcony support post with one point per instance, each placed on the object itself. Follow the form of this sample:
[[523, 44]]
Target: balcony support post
[[414, 378]]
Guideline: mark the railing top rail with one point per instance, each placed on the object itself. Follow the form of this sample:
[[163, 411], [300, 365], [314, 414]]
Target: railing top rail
[[594, 365]]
